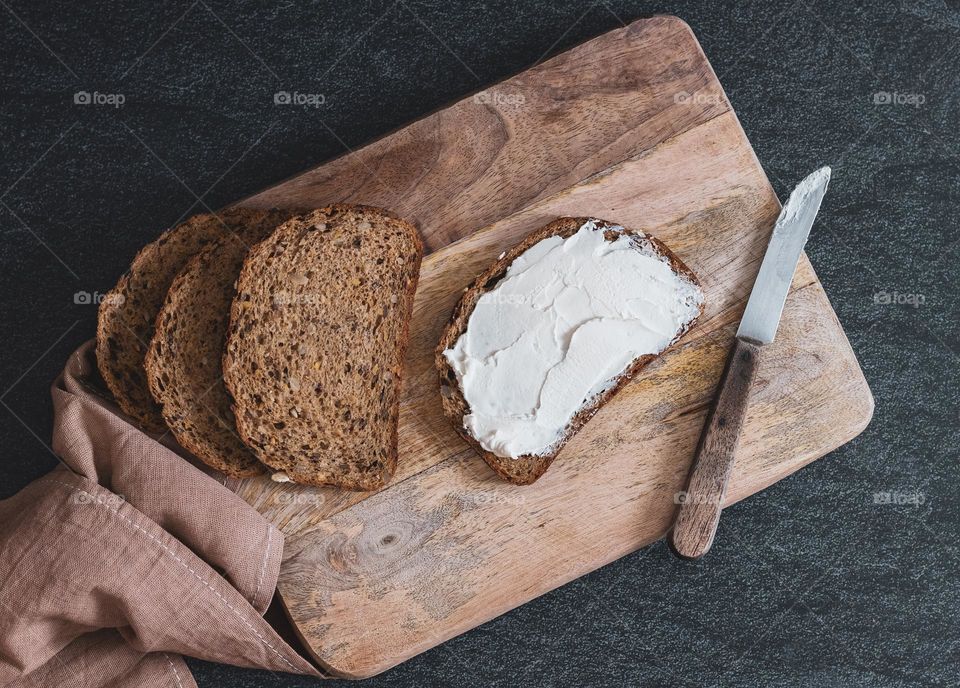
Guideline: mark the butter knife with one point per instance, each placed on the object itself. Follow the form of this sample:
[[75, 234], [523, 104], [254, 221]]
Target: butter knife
[[702, 501]]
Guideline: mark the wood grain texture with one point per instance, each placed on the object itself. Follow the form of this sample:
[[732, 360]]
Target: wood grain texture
[[372, 579], [702, 500]]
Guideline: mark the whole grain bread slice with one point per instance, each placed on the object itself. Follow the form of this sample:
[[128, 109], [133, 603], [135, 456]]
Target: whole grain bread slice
[[314, 353], [526, 469], [183, 362], [127, 314]]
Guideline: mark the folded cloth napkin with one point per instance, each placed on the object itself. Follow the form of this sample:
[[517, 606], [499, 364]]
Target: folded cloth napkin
[[127, 556]]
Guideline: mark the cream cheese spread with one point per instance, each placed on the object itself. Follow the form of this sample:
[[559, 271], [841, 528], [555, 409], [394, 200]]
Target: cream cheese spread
[[567, 319]]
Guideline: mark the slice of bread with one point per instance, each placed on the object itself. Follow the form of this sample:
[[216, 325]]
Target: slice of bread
[[127, 314], [526, 469], [183, 363], [317, 335]]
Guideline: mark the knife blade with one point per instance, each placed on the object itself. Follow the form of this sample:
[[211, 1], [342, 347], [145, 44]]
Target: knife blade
[[702, 502], [790, 233]]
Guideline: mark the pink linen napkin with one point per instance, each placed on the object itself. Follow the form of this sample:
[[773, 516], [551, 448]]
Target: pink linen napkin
[[128, 556]]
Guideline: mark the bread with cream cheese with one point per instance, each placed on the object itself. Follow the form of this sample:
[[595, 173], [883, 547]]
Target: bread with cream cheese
[[527, 468]]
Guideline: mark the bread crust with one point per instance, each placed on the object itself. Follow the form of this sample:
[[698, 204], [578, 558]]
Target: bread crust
[[526, 469]]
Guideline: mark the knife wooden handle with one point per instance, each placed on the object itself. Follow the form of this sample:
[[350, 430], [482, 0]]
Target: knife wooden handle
[[700, 507]]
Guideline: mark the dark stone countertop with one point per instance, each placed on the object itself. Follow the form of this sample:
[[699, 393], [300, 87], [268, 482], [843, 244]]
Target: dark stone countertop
[[810, 582]]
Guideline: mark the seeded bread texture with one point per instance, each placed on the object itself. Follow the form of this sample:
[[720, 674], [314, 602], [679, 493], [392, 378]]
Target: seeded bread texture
[[525, 470], [183, 363], [127, 314], [314, 353]]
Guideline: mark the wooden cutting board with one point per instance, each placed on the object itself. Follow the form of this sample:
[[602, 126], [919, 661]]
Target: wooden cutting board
[[631, 127]]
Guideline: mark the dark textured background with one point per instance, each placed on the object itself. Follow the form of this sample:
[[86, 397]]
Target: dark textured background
[[810, 582]]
